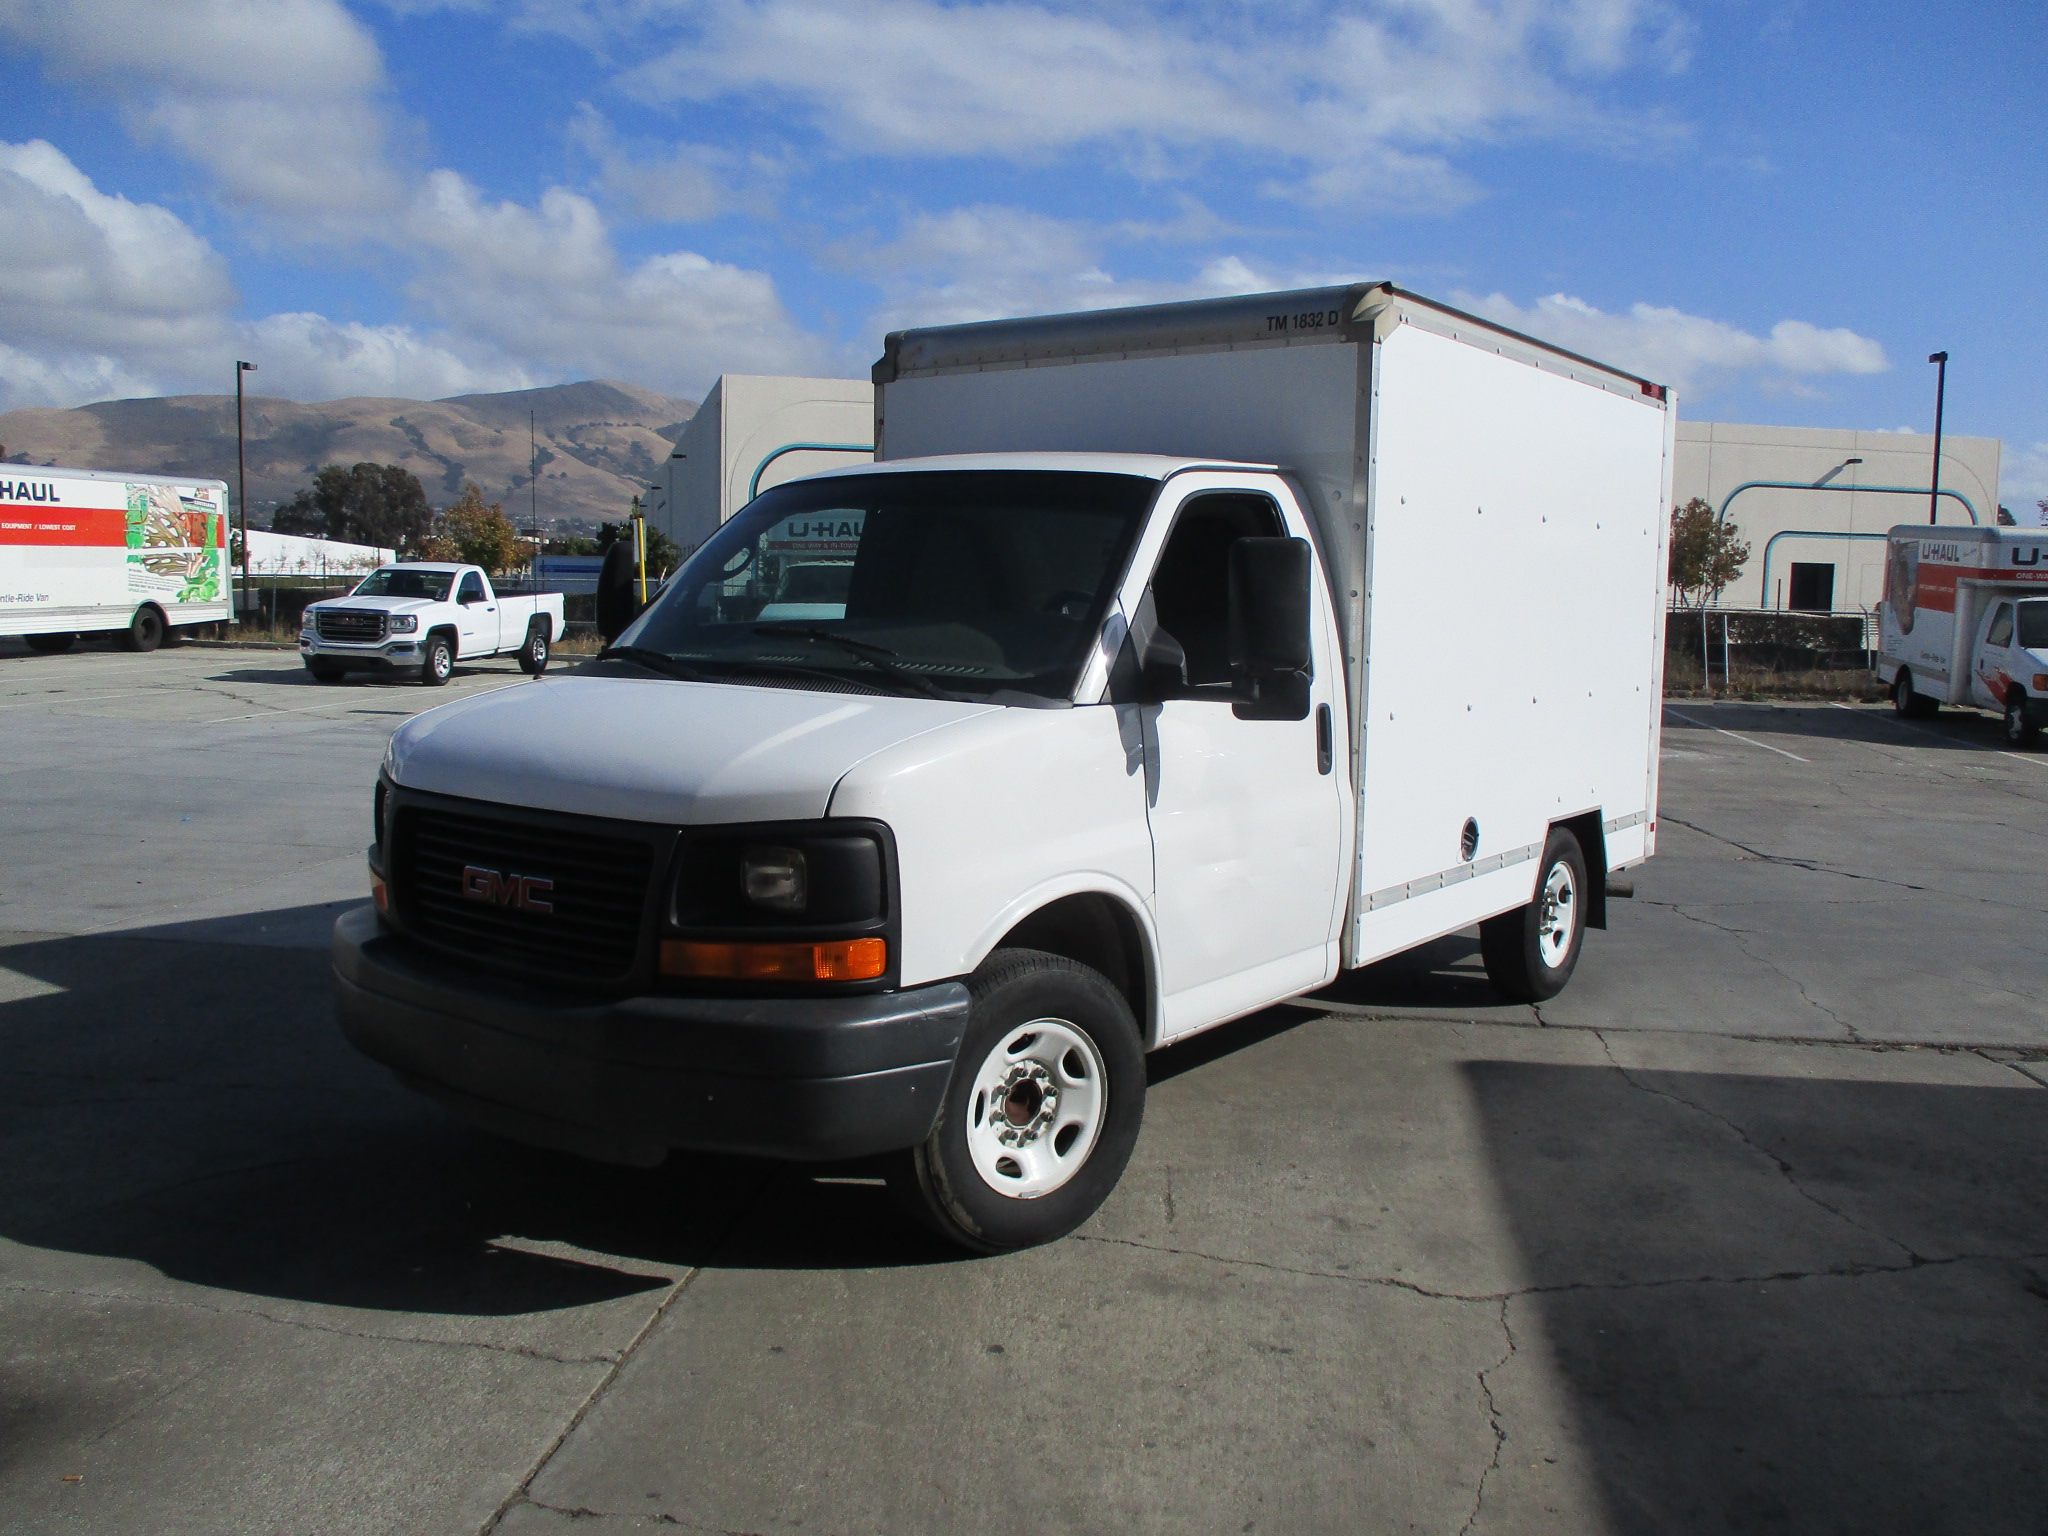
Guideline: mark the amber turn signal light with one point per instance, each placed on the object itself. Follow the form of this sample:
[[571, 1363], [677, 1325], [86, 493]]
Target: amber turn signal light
[[380, 894], [832, 960]]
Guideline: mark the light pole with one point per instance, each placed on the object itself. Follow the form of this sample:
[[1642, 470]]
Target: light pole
[[242, 471], [1940, 360]]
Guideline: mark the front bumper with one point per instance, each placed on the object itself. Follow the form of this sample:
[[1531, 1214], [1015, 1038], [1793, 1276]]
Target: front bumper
[[400, 653], [820, 1078]]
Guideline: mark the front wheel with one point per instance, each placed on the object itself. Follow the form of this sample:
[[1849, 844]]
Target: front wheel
[[1041, 1114], [1530, 952], [2019, 731], [437, 661], [533, 655]]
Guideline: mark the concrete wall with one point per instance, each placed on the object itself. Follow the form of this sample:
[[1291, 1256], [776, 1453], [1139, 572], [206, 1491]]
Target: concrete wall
[[743, 420], [1714, 457]]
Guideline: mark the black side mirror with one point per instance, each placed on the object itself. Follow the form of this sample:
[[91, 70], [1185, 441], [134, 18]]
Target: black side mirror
[[617, 603], [1271, 659]]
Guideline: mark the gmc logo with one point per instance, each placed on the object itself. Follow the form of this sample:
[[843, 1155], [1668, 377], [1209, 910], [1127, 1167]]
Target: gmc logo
[[526, 892]]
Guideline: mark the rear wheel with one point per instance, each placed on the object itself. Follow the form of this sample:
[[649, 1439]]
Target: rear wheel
[[1530, 952], [1044, 1107], [533, 655], [437, 661], [50, 643], [2019, 731], [145, 632], [1909, 701]]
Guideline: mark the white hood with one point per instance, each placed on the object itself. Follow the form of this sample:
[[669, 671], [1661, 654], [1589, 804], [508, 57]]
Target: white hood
[[375, 604], [655, 749]]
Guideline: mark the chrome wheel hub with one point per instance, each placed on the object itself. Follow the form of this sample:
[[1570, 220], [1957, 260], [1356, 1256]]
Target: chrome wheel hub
[[1036, 1106], [1556, 917]]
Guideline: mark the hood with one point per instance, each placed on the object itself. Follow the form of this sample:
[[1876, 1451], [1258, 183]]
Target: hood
[[655, 749], [375, 604]]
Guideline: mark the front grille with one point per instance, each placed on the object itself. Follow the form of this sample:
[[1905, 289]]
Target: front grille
[[351, 624], [598, 892]]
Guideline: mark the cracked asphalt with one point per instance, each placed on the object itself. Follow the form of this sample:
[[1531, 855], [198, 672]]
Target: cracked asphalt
[[1743, 1231]]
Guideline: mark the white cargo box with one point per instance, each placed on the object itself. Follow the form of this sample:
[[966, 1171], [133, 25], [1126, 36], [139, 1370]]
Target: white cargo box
[[1492, 516]]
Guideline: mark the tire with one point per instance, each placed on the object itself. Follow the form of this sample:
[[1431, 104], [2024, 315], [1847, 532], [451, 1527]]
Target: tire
[[2018, 730], [437, 662], [1531, 951], [1007, 1170], [1910, 702], [533, 655], [145, 632], [50, 644], [326, 672]]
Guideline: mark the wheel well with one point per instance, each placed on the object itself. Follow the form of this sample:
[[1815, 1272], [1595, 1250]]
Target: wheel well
[[446, 630], [1099, 932], [1592, 838]]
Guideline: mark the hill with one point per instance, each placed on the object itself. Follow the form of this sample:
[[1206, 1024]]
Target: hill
[[600, 443]]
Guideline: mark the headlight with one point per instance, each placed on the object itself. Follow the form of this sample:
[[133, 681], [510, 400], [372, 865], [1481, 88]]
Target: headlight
[[404, 623], [775, 878]]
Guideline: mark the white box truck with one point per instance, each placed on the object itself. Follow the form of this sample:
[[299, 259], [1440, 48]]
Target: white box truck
[[84, 550], [1965, 621], [1181, 657]]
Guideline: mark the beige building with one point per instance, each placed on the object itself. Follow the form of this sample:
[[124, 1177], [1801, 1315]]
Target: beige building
[[752, 432], [1820, 546]]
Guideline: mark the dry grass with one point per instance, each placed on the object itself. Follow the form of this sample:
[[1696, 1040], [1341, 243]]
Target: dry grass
[[1682, 680]]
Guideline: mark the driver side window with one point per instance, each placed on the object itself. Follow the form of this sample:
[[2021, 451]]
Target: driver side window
[[472, 589], [1191, 587], [2000, 632]]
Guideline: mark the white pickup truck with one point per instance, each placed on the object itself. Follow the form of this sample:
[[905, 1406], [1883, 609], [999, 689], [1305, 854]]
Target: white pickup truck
[[423, 617], [1179, 658]]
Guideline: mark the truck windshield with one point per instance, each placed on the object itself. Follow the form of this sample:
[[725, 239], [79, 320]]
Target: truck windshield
[[961, 582], [2033, 626], [397, 581]]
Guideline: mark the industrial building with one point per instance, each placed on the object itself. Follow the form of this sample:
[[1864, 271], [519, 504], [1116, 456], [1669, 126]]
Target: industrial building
[[1812, 503]]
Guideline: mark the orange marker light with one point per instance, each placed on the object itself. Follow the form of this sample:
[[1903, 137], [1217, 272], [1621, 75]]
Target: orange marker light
[[833, 960], [380, 894]]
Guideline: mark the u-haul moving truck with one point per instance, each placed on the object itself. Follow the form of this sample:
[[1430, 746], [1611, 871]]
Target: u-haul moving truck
[[1965, 621], [84, 550], [1174, 659]]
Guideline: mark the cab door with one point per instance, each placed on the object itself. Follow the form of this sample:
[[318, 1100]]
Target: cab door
[[476, 616], [1989, 679], [1246, 816]]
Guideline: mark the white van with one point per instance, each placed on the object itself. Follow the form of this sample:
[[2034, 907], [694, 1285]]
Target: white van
[[1965, 621], [1188, 655]]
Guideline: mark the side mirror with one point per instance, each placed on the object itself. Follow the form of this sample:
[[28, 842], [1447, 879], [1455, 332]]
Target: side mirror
[[1271, 658], [617, 604], [1162, 669]]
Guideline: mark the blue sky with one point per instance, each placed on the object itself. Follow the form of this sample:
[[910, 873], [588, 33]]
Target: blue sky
[[1780, 207]]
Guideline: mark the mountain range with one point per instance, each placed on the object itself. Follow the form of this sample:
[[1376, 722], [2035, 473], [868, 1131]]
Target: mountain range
[[598, 443]]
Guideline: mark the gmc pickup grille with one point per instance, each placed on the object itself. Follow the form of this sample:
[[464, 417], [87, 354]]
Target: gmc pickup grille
[[539, 899], [351, 624]]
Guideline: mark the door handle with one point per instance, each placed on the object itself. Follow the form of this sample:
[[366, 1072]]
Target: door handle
[[1326, 740]]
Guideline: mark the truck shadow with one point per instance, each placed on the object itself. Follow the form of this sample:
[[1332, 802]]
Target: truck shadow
[[1961, 730], [1759, 1302], [191, 1105]]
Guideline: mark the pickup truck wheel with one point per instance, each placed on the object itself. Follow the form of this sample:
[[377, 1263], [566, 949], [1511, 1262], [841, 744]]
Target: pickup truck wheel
[[2019, 730], [533, 655], [1530, 952], [1044, 1107], [1909, 701], [50, 643], [437, 661], [145, 632]]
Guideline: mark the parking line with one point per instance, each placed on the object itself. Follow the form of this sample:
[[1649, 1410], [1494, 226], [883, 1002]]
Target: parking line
[[81, 698], [2018, 757], [1688, 719]]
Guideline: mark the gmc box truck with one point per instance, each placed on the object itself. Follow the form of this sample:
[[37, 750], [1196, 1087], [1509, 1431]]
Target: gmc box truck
[[1182, 658]]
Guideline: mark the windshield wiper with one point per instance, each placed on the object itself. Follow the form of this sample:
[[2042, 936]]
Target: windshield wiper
[[876, 656], [653, 661]]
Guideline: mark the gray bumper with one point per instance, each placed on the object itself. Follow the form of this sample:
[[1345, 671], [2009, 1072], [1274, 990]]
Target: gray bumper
[[820, 1078]]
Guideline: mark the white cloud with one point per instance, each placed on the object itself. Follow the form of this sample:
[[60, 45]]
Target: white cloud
[[1689, 351], [1364, 102], [672, 184], [280, 100]]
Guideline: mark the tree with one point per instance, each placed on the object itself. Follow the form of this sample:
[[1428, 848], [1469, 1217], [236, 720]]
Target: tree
[[662, 554], [1705, 555], [378, 504], [477, 534]]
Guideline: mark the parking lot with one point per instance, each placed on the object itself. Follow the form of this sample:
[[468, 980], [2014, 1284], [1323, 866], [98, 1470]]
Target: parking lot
[[1743, 1231]]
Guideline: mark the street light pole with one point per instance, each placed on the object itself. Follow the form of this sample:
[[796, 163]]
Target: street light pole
[[242, 471], [1940, 360]]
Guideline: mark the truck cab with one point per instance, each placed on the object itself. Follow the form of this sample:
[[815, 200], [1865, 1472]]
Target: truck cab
[[2009, 666]]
